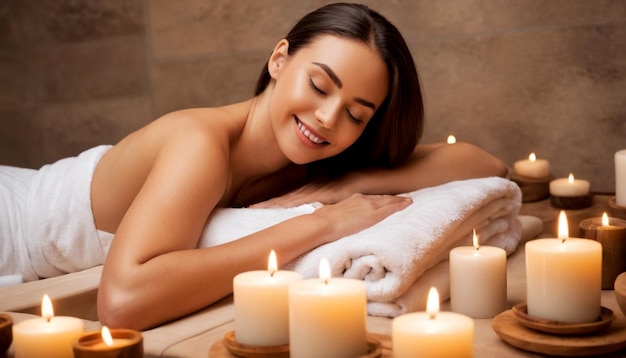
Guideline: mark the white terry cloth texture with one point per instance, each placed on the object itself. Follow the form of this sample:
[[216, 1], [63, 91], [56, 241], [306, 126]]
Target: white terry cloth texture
[[405, 254], [46, 223]]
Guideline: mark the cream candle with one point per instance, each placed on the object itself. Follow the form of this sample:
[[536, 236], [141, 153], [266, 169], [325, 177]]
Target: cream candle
[[47, 336], [261, 305], [620, 177], [432, 333], [569, 187], [109, 343], [611, 234], [532, 167], [327, 316], [563, 277], [478, 280]]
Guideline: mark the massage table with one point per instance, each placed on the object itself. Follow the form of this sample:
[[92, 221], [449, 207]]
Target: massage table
[[199, 333]]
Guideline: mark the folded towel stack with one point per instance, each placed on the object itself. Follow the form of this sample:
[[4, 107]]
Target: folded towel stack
[[402, 256]]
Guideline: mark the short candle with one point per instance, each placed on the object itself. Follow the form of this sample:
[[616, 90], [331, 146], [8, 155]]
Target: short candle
[[532, 167], [563, 277], [107, 343], [478, 280], [569, 187], [47, 336], [611, 234], [432, 333], [327, 316], [261, 303]]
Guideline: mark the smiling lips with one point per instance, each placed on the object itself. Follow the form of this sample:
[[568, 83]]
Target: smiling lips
[[307, 133]]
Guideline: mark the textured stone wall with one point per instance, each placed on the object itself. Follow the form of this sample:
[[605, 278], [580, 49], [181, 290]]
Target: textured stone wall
[[510, 76]]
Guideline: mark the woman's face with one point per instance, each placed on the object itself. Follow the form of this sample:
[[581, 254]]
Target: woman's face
[[324, 96]]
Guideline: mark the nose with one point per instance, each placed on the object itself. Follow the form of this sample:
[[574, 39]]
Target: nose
[[328, 114]]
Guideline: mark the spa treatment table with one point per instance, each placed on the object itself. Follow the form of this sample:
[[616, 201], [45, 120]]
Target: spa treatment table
[[202, 332]]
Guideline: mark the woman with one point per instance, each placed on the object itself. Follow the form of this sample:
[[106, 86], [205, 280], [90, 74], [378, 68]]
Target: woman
[[338, 109]]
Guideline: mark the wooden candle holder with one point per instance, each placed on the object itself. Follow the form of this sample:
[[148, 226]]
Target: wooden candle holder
[[615, 210], [571, 202], [6, 333], [533, 189], [228, 346]]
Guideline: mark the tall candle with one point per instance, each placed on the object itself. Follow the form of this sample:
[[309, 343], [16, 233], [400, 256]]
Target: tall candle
[[569, 187], [478, 280], [432, 333], [611, 234], [327, 316], [47, 336], [532, 167], [563, 277], [620, 178], [261, 305]]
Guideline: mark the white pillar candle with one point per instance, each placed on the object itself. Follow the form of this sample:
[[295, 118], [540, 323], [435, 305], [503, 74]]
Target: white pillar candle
[[47, 336], [478, 280], [563, 277], [569, 187], [327, 317], [532, 167], [261, 305], [620, 178], [432, 333]]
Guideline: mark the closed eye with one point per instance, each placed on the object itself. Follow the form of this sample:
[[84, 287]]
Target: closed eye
[[354, 119], [315, 88]]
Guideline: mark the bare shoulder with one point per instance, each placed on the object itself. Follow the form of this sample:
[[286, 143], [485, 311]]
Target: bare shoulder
[[186, 149]]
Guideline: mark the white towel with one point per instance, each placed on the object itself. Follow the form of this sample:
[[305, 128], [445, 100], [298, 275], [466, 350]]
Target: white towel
[[401, 256]]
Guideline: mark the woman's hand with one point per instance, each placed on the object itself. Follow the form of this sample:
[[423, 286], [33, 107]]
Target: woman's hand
[[359, 211]]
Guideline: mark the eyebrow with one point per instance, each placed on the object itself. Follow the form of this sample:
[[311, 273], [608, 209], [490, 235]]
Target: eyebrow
[[339, 84]]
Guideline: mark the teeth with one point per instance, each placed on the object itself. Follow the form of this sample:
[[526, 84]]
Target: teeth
[[312, 137]]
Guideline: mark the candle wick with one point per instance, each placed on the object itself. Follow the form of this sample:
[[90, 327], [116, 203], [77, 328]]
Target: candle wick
[[432, 315], [562, 240], [272, 273], [326, 281]]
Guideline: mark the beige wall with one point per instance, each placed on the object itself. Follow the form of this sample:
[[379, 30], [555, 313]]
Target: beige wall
[[512, 76]]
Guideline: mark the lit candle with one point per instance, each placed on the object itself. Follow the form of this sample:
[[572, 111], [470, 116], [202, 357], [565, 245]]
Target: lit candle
[[327, 316], [563, 277], [569, 187], [432, 333], [532, 167], [47, 336], [611, 234], [451, 139], [620, 178], [261, 305], [109, 343], [478, 280]]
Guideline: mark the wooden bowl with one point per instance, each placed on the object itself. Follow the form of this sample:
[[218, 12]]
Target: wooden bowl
[[620, 291], [520, 311]]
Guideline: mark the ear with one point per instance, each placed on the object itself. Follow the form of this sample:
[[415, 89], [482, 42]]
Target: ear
[[278, 58]]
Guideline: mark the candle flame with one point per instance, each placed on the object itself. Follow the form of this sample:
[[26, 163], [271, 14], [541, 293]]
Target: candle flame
[[605, 219], [106, 336], [563, 227], [532, 157], [324, 270], [570, 178], [475, 240], [451, 139], [432, 304], [47, 312], [272, 265]]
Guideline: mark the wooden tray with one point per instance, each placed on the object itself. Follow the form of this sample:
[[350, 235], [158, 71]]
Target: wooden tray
[[379, 345], [521, 313], [510, 330]]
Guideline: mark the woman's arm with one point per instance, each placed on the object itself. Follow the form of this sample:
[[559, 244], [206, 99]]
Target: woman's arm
[[154, 273], [429, 165]]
